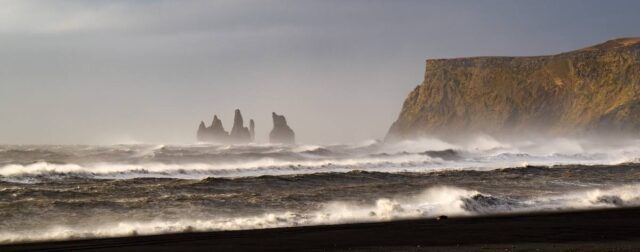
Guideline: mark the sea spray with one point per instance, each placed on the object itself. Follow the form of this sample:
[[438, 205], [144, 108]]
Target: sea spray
[[451, 201], [126, 190]]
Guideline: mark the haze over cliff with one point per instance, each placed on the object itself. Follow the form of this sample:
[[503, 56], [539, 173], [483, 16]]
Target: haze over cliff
[[591, 90]]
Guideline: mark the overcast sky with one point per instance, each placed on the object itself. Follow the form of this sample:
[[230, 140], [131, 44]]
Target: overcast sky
[[104, 72]]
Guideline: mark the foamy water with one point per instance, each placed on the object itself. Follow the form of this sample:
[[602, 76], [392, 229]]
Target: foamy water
[[63, 192], [432, 202], [201, 161]]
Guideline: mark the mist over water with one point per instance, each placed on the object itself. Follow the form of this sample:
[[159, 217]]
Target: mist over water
[[200, 161], [63, 192]]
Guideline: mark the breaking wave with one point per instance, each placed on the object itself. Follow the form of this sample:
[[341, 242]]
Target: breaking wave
[[264, 166], [63, 192], [435, 201], [200, 161]]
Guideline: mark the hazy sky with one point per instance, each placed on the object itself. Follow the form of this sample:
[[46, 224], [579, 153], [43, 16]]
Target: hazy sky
[[150, 71]]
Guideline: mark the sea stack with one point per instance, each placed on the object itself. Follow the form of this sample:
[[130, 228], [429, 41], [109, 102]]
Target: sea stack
[[281, 132], [252, 130], [591, 91], [217, 130], [239, 133], [202, 132], [215, 133]]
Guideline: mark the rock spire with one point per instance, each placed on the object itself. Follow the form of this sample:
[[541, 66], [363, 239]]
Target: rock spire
[[239, 133], [281, 132], [216, 133]]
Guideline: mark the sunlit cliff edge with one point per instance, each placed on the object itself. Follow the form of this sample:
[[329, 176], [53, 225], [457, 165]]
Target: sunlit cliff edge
[[590, 90]]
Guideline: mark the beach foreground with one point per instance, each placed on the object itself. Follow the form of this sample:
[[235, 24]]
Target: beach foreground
[[592, 230]]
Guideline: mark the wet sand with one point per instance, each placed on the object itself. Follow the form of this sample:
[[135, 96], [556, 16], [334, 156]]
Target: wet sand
[[593, 230]]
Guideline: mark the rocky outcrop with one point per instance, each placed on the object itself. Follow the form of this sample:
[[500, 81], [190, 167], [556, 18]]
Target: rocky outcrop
[[592, 90], [202, 132], [281, 132], [252, 130], [216, 133], [239, 133], [217, 130]]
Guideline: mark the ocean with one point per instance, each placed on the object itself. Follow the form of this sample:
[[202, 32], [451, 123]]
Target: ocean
[[57, 192]]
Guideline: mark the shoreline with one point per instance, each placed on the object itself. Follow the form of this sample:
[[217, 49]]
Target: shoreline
[[586, 230]]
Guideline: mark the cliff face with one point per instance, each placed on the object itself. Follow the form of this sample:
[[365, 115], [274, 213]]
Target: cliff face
[[591, 89]]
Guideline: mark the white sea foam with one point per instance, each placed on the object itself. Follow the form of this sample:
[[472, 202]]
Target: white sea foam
[[482, 153], [432, 202], [263, 166], [202, 160], [33, 163]]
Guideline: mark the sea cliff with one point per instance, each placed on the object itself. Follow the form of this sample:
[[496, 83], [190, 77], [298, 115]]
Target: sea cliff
[[595, 89]]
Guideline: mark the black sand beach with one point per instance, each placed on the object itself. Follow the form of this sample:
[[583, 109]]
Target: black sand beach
[[593, 230]]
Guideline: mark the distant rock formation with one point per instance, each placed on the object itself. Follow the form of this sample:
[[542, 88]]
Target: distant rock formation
[[217, 130], [592, 90], [281, 132], [202, 133], [216, 133], [252, 130], [239, 133]]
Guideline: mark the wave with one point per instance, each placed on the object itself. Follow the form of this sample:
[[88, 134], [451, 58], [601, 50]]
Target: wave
[[202, 160], [263, 166], [365, 182], [319, 161], [435, 201]]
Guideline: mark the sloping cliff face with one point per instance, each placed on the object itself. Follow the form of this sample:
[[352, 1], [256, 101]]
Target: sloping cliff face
[[595, 89]]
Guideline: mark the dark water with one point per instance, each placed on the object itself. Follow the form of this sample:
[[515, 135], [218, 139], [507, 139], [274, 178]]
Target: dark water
[[61, 192]]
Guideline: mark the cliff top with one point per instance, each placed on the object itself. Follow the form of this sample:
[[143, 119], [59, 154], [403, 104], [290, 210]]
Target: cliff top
[[608, 45], [614, 44]]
